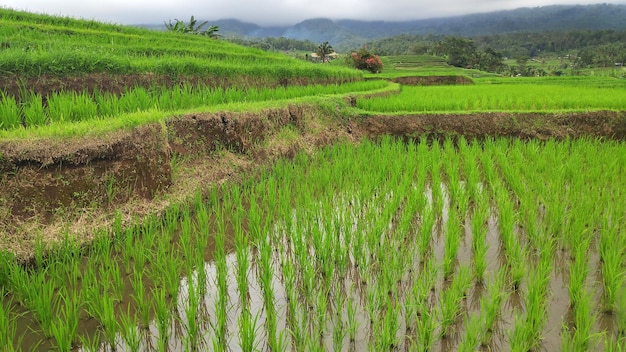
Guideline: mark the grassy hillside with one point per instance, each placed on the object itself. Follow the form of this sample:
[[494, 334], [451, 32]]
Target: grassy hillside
[[55, 70], [35, 45]]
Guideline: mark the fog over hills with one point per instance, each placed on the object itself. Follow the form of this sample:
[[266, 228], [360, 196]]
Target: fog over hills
[[352, 33]]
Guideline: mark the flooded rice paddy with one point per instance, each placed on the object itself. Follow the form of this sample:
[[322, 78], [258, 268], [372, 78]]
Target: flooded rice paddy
[[520, 246]]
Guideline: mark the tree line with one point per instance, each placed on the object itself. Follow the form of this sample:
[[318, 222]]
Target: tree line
[[587, 48]]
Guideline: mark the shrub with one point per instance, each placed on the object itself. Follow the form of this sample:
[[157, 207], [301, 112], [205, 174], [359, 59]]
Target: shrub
[[364, 60]]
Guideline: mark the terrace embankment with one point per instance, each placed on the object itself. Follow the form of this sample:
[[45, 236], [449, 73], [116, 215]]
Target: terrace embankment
[[46, 85], [82, 181], [432, 80], [605, 124]]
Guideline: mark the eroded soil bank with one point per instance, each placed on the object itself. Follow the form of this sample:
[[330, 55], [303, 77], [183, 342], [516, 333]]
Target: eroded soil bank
[[53, 187]]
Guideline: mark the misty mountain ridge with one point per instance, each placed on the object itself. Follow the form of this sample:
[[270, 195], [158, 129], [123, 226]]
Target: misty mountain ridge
[[344, 34]]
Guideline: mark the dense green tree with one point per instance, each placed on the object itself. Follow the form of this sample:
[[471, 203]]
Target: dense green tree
[[491, 60], [459, 51]]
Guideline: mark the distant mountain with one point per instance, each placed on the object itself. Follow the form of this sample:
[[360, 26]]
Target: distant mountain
[[348, 34]]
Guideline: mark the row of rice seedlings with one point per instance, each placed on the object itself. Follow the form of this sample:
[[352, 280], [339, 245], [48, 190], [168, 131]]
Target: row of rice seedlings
[[64, 107], [451, 299], [510, 243], [424, 319], [452, 242], [612, 249], [480, 246], [479, 327], [528, 327], [221, 303]]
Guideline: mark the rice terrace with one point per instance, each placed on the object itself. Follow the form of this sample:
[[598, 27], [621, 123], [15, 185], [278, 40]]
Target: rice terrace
[[171, 192]]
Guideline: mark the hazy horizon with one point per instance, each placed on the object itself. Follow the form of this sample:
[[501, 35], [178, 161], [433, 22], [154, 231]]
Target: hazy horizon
[[272, 12]]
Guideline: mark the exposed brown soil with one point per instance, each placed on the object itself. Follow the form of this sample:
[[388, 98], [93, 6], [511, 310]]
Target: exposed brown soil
[[51, 186], [606, 124]]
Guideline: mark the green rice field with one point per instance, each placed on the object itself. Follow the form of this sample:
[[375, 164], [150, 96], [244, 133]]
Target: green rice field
[[504, 95], [465, 245], [315, 237]]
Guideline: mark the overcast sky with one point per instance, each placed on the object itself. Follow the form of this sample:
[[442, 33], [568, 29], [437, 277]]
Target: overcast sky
[[270, 12]]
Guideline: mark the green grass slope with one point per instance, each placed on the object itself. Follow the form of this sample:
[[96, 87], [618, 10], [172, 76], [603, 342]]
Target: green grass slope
[[35, 45]]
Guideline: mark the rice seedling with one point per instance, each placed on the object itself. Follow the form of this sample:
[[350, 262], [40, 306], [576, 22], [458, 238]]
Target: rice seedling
[[266, 277], [386, 329], [514, 251], [479, 220], [102, 308], [611, 249], [526, 334], [91, 344], [620, 312], [451, 298], [141, 301], [221, 312], [472, 339], [247, 330], [425, 232], [338, 330], [582, 336], [352, 324], [131, 334], [9, 339], [162, 313], [578, 273], [65, 327], [38, 296], [615, 344], [321, 314], [191, 305], [426, 328], [491, 306], [452, 242]]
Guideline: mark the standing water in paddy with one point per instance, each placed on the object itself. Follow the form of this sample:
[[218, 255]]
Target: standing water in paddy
[[382, 245]]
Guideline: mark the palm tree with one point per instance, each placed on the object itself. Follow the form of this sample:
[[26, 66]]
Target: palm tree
[[324, 50]]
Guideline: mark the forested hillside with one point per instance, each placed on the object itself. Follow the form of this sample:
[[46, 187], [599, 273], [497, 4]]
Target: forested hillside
[[346, 34], [586, 48]]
